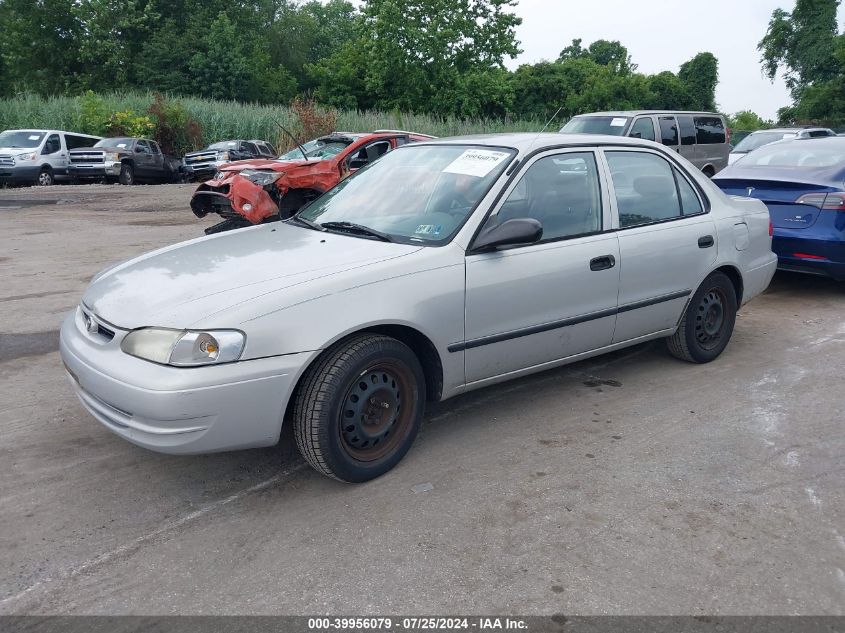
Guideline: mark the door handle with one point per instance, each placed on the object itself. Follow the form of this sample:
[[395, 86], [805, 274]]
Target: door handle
[[706, 242], [602, 263]]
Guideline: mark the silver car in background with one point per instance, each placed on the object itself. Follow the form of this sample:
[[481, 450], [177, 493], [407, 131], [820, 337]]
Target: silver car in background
[[703, 138], [444, 267]]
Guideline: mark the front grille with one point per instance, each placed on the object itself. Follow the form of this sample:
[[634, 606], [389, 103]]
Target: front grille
[[95, 328], [201, 158], [86, 157], [7, 161]]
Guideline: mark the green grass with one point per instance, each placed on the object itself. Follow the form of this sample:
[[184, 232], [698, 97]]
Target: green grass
[[222, 120]]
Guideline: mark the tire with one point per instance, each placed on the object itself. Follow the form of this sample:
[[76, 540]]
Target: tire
[[127, 174], [227, 225], [45, 177], [708, 322], [346, 434]]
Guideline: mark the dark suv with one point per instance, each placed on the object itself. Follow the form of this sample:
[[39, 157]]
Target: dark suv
[[204, 163]]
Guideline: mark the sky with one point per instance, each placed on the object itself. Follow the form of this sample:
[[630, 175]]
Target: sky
[[663, 34]]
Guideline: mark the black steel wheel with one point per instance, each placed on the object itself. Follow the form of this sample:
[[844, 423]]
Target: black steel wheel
[[707, 325], [359, 408]]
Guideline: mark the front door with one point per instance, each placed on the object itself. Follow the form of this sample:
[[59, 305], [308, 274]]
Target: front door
[[531, 305], [667, 241]]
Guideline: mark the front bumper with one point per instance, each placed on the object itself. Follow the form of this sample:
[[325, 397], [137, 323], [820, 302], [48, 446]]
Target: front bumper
[[178, 410], [201, 170], [104, 170], [19, 173]]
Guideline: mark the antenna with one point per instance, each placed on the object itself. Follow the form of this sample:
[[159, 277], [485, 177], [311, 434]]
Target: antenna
[[293, 138], [554, 116]]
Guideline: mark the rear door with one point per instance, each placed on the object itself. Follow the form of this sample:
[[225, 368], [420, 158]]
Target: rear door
[[144, 162], [531, 305], [712, 146], [667, 240]]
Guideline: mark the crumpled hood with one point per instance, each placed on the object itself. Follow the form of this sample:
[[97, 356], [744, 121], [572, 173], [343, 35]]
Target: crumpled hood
[[263, 163], [198, 280]]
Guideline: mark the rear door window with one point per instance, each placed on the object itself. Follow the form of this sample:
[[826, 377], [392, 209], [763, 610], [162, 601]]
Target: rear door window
[[688, 131], [668, 131], [710, 130], [642, 128], [649, 189]]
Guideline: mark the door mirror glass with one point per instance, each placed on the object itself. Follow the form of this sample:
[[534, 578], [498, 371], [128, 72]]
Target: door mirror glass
[[510, 233]]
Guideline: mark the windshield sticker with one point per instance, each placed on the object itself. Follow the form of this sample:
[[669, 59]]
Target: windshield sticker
[[429, 229], [34, 137], [122, 145], [618, 122], [476, 162]]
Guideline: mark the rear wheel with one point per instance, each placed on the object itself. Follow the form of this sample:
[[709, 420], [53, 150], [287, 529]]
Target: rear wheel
[[45, 177], [708, 323], [359, 408], [127, 174]]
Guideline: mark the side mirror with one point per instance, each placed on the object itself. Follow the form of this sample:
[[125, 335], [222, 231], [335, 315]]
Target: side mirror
[[139, 150], [509, 233]]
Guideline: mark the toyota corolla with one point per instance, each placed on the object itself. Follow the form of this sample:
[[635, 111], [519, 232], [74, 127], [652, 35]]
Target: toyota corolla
[[445, 266]]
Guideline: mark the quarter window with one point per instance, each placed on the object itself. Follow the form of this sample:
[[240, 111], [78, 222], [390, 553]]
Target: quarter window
[[642, 128], [562, 192], [649, 189], [710, 130], [668, 131]]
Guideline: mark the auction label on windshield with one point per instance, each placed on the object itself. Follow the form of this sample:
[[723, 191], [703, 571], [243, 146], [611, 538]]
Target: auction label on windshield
[[476, 162]]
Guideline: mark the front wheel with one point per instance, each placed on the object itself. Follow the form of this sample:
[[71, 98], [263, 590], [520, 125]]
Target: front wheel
[[127, 174], [708, 322], [45, 178], [359, 408]]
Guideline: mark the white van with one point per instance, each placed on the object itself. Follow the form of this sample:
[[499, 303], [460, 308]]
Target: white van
[[38, 157]]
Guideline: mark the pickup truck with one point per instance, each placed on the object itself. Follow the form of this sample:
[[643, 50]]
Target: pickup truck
[[125, 160], [204, 163]]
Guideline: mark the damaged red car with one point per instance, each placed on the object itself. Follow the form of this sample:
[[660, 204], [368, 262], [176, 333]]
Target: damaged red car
[[250, 192]]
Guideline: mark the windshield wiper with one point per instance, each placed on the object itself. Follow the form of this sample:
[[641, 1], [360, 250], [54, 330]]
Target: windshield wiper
[[306, 222], [351, 227]]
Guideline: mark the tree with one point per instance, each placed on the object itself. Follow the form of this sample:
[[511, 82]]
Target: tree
[[701, 76], [802, 44], [603, 52], [748, 121], [417, 50], [668, 92]]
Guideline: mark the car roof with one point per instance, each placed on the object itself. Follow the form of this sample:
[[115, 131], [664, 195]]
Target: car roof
[[37, 131], [646, 112], [528, 141]]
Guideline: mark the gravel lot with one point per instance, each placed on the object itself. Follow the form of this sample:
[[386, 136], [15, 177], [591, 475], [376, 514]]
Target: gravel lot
[[628, 484]]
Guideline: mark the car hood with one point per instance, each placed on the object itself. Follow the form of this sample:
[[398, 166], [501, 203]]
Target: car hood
[[17, 150], [183, 285]]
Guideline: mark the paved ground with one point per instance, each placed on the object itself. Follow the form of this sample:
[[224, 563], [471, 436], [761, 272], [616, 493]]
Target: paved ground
[[628, 484]]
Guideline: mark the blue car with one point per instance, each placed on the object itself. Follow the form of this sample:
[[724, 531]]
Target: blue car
[[802, 182]]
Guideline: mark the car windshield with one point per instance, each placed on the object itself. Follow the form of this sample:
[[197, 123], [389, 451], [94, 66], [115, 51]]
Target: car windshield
[[223, 145], [120, 143], [319, 149], [23, 139], [798, 154], [417, 194], [612, 125], [759, 139]]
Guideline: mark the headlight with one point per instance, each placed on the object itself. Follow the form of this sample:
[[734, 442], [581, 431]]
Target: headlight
[[222, 155], [184, 348], [262, 178], [27, 156], [112, 156]]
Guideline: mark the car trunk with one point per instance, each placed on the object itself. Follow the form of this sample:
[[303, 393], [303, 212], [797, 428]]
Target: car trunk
[[780, 197]]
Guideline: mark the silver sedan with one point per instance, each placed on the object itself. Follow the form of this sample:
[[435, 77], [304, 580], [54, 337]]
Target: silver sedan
[[444, 267]]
